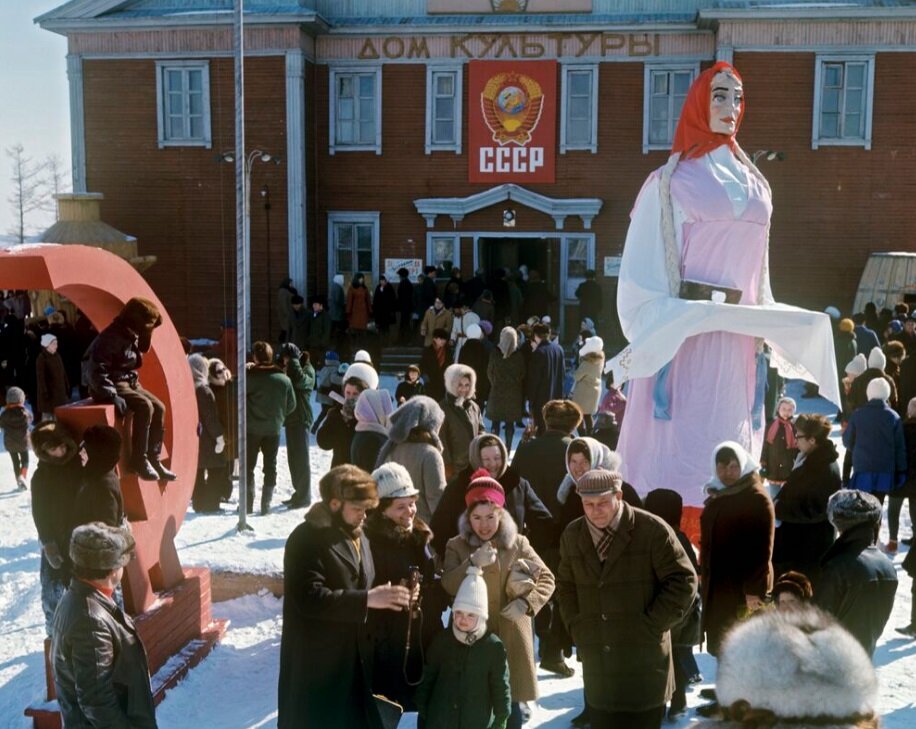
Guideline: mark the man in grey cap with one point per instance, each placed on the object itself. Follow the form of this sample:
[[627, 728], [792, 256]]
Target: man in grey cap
[[99, 664], [624, 581], [858, 583]]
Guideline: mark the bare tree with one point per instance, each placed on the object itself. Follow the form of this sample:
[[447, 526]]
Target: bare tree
[[55, 180], [29, 191]]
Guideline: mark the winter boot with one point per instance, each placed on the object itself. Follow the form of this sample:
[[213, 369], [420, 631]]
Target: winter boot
[[21, 478], [144, 470], [164, 474], [266, 495]]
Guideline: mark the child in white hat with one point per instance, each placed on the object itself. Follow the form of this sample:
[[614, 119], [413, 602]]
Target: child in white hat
[[466, 679]]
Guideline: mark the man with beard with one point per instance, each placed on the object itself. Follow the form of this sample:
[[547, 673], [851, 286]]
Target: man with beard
[[326, 648], [400, 544]]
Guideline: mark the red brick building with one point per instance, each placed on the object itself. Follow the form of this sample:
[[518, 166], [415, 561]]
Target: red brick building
[[368, 105]]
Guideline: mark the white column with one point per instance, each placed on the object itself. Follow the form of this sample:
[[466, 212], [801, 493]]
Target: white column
[[295, 169], [77, 122]]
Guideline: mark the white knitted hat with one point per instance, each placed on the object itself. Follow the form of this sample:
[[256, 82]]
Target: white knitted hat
[[593, 345], [857, 365], [393, 481], [362, 356], [472, 595], [474, 332], [364, 372], [876, 359], [46, 340], [878, 389]]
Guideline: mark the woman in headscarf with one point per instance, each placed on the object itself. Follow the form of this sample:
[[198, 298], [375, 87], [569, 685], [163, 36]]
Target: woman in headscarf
[[372, 410], [694, 301], [736, 542], [506, 373]]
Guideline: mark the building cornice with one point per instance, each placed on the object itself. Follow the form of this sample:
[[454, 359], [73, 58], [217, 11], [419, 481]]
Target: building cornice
[[310, 22], [710, 18]]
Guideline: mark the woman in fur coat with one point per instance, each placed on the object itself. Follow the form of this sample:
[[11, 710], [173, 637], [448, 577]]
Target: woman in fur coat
[[463, 421], [506, 373], [587, 388], [223, 388], [211, 460], [413, 441], [518, 582]]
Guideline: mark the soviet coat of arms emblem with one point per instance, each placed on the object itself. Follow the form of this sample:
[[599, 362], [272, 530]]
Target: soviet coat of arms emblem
[[509, 6], [512, 104]]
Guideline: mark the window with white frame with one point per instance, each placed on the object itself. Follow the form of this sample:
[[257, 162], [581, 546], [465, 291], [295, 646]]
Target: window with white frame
[[443, 251], [183, 103], [356, 110], [843, 101], [353, 243], [443, 109], [664, 94], [579, 119]]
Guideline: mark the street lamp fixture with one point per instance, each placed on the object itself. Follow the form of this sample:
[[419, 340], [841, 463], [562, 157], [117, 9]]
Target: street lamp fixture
[[769, 155]]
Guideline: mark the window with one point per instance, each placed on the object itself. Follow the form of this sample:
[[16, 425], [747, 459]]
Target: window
[[664, 94], [843, 101], [353, 243], [356, 111], [579, 120], [578, 257], [443, 251], [443, 109], [183, 103]]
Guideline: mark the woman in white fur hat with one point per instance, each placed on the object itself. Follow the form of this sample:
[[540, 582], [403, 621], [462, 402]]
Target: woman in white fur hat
[[587, 388], [795, 669]]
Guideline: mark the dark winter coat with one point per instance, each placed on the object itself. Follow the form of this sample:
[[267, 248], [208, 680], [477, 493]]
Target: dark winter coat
[[298, 327], [114, 357], [908, 489], [907, 380], [100, 668], [365, 447], [394, 552], [408, 390], [858, 391], [542, 462], [801, 506], [337, 302], [546, 372], [506, 380], [384, 305], [844, 348], [14, 422], [55, 484], [326, 648], [359, 308], [99, 498], [619, 613], [52, 382], [336, 434], [303, 381], [462, 424], [736, 548], [271, 399], [464, 686], [428, 292], [537, 299], [866, 340], [405, 297], [210, 429], [777, 458], [318, 327], [589, 294], [857, 585], [874, 434], [476, 355], [227, 407], [434, 373]]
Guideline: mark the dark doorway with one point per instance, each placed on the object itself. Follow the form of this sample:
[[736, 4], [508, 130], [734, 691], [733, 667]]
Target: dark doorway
[[538, 254]]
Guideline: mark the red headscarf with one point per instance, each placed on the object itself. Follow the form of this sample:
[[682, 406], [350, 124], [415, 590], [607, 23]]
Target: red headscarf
[[693, 137]]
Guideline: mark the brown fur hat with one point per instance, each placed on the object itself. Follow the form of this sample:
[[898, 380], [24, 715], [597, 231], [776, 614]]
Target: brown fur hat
[[140, 314], [563, 415], [50, 434], [349, 483]]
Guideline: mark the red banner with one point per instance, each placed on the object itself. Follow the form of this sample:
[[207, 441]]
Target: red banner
[[512, 121]]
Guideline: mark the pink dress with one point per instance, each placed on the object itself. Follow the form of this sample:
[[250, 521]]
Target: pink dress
[[712, 381]]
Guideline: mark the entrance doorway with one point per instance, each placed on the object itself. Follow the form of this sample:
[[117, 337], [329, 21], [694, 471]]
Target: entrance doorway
[[539, 254]]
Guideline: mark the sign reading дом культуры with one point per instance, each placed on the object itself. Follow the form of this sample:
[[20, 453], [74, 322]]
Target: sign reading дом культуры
[[508, 6], [512, 112]]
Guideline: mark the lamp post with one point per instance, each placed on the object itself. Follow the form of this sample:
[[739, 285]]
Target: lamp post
[[265, 195]]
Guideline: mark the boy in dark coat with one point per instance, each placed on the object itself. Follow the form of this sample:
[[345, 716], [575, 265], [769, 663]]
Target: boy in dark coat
[[410, 386], [466, 680], [99, 498], [51, 377], [857, 583], [54, 488], [14, 422], [326, 647], [114, 358], [436, 359]]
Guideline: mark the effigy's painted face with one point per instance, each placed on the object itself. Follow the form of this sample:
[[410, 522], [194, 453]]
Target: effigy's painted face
[[725, 101]]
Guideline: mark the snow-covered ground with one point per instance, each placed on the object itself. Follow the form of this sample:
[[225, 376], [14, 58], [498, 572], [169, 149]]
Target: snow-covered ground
[[235, 687]]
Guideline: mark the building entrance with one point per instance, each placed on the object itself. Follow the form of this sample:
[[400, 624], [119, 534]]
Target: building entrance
[[539, 254]]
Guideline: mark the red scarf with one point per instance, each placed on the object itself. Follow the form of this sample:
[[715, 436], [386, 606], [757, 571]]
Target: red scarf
[[693, 137], [788, 429]]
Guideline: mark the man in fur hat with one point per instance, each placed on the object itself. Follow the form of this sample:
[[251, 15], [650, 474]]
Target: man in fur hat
[[326, 649], [114, 358], [98, 661]]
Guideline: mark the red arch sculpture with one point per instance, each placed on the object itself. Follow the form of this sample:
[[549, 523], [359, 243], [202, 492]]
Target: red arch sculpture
[[171, 605]]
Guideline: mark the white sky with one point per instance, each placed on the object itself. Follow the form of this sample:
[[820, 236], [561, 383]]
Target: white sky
[[35, 108]]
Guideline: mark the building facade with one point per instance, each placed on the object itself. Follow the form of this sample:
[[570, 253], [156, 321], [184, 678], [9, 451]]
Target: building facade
[[484, 133]]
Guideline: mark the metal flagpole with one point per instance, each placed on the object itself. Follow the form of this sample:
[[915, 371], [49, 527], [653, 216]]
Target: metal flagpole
[[242, 265]]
